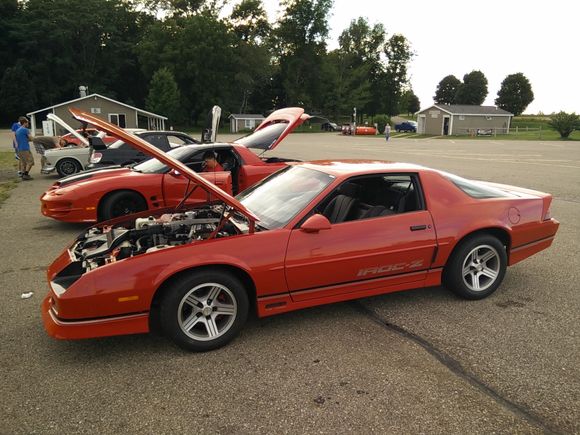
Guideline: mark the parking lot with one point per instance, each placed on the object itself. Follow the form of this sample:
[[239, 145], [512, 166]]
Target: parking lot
[[418, 361]]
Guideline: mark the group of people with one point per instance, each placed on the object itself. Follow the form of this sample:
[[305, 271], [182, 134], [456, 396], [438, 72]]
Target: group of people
[[21, 143]]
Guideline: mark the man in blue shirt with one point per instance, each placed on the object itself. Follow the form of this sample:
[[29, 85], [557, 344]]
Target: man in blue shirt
[[15, 127], [23, 137]]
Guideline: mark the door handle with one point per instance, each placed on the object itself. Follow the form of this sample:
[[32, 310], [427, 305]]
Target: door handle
[[418, 227]]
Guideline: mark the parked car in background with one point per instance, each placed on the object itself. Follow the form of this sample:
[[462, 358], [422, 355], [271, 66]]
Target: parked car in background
[[329, 126], [406, 126], [313, 233], [122, 153], [72, 140], [97, 195]]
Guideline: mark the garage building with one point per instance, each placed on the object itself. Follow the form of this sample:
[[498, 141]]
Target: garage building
[[244, 121], [115, 112], [456, 119]]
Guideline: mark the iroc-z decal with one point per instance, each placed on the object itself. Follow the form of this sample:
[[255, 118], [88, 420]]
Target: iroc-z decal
[[375, 270]]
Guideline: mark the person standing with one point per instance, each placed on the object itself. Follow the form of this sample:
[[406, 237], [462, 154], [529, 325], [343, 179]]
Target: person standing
[[15, 127], [23, 138], [387, 131]]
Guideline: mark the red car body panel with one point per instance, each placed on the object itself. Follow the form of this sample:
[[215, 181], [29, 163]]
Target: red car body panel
[[71, 139], [291, 269]]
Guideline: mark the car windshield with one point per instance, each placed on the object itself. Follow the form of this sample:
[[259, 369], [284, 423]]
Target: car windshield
[[263, 138], [280, 197], [154, 166]]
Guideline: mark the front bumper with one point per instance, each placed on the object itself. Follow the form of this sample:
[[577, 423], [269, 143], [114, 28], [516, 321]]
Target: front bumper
[[91, 328], [47, 169], [59, 208]]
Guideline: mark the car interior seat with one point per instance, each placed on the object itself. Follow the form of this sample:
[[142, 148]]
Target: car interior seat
[[339, 208]]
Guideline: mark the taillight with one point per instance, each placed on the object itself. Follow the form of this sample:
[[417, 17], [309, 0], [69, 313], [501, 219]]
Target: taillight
[[96, 157], [548, 214]]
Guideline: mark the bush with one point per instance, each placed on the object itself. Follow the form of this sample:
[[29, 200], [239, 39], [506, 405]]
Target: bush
[[564, 123], [382, 121]]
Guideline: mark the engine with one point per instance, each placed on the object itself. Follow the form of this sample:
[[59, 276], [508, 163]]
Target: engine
[[103, 245]]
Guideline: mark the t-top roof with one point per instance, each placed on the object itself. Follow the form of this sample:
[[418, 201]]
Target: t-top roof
[[144, 112], [246, 116], [469, 109]]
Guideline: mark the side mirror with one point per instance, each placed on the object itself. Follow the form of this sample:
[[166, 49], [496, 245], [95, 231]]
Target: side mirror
[[315, 223], [175, 173]]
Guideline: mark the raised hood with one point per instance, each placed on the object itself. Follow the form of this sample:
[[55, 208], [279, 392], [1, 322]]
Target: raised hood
[[274, 129], [149, 149], [68, 128]]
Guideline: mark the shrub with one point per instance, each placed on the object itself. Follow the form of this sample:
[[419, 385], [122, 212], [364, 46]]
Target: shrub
[[564, 123], [382, 121]]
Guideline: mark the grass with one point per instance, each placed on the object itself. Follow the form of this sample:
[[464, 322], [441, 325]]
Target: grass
[[8, 179]]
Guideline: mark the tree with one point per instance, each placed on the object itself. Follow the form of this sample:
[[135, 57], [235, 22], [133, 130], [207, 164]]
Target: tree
[[300, 47], [447, 89], [164, 97], [250, 22], [515, 94], [17, 92], [410, 102], [564, 123], [399, 54], [473, 90]]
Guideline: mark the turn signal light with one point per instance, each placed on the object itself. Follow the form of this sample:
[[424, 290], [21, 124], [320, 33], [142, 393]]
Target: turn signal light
[[96, 157]]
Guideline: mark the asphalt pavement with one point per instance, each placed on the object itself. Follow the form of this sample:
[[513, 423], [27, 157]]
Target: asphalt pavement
[[418, 361]]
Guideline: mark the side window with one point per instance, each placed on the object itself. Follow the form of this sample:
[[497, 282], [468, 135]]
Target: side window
[[227, 159], [158, 140], [372, 196], [195, 162], [177, 141]]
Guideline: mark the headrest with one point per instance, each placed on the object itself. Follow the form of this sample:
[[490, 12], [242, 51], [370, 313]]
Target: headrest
[[349, 189]]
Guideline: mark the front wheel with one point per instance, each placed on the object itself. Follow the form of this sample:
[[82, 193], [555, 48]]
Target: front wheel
[[122, 203], [204, 311], [477, 267], [66, 167]]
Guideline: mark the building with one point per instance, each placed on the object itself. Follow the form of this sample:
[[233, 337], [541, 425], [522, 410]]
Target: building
[[244, 121], [115, 112], [457, 119]]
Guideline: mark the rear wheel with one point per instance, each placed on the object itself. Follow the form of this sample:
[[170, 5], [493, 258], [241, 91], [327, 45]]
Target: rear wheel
[[122, 203], [205, 310], [66, 167], [477, 267]]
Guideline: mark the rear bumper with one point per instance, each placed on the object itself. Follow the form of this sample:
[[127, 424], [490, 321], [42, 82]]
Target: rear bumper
[[545, 234], [79, 329]]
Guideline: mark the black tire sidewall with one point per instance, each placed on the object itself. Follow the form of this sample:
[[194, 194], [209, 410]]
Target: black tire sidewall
[[110, 201], [453, 273], [71, 161], [175, 293]]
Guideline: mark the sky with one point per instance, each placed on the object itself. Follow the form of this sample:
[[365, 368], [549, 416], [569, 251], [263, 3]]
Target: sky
[[498, 37]]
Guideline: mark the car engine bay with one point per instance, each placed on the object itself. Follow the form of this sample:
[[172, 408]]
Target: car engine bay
[[103, 245]]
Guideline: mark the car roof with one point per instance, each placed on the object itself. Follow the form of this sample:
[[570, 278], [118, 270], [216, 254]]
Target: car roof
[[352, 167]]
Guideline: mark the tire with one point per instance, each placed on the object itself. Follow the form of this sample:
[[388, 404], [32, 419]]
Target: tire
[[66, 167], [121, 203], [190, 316], [477, 267]]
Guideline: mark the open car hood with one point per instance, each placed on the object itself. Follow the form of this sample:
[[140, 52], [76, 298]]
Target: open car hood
[[274, 129], [149, 149], [68, 128]]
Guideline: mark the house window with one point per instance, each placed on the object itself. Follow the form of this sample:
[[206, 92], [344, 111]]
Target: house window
[[95, 110], [249, 124], [462, 117], [117, 119], [434, 113], [488, 118]]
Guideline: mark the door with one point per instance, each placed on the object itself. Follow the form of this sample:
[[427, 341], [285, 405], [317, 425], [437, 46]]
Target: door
[[176, 186], [446, 126], [398, 243]]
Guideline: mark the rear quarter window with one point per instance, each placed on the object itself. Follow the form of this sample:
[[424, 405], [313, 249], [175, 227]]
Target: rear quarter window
[[475, 189]]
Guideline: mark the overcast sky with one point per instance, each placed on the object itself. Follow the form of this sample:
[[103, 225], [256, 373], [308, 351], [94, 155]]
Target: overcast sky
[[536, 37]]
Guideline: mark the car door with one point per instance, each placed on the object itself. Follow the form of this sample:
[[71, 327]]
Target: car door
[[382, 251], [176, 186]]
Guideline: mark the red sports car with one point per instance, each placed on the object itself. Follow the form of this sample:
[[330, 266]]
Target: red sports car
[[103, 194], [310, 234]]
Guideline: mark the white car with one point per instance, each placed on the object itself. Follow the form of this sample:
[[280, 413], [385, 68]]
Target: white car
[[70, 159]]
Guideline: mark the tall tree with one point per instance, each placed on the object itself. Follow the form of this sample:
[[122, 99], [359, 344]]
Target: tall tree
[[164, 97], [399, 54], [515, 94], [300, 45], [17, 93], [473, 90], [447, 89], [410, 102]]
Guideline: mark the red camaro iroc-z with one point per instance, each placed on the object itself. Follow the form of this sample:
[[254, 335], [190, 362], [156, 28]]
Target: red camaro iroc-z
[[312, 233]]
